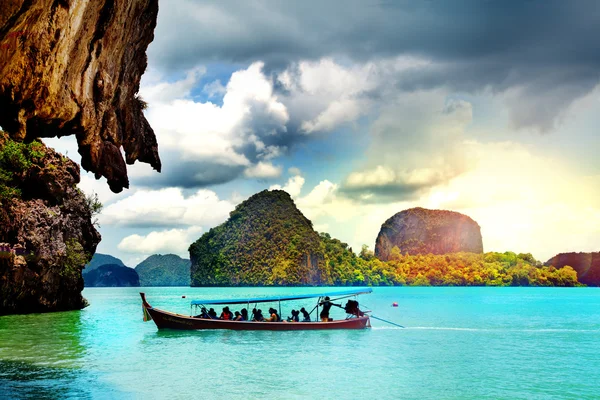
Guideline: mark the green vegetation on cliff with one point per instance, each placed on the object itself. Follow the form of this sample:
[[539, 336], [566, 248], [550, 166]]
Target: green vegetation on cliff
[[455, 269], [164, 270], [15, 159], [265, 241]]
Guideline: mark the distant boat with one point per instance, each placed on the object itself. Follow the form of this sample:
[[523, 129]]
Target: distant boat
[[355, 318]]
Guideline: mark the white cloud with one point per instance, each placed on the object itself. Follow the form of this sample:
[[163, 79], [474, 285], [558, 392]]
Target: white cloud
[[244, 131], [293, 186], [167, 207], [263, 170], [175, 241]]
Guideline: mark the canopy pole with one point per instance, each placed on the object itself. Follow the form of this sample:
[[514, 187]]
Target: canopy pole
[[279, 310]]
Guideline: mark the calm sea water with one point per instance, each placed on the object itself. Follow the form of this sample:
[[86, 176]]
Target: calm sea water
[[459, 343]]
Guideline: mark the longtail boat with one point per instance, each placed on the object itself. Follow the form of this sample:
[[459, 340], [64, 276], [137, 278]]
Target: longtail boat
[[355, 318]]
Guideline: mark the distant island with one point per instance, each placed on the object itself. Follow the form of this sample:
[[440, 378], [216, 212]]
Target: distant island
[[156, 270], [267, 241], [164, 270]]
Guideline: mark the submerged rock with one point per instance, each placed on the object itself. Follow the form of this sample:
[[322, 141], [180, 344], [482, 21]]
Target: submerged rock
[[587, 266], [73, 68], [111, 275], [423, 231]]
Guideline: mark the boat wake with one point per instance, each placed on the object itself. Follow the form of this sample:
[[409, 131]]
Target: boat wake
[[447, 328]]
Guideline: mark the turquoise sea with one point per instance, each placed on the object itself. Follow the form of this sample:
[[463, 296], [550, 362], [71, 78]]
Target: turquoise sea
[[459, 343]]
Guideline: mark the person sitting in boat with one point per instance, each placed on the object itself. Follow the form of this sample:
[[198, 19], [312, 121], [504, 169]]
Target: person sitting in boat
[[295, 316], [226, 314], [274, 317], [203, 313], [245, 314], [238, 317], [305, 315], [212, 314], [326, 307], [257, 315]]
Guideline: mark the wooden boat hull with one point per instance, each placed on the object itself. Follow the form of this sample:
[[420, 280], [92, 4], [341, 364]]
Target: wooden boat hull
[[168, 320]]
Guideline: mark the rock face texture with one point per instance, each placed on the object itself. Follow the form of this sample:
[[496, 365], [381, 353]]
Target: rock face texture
[[111, 275], [72, 67], [265, 242], [164, 270], [587, 266], [45, 216], [423, 231]]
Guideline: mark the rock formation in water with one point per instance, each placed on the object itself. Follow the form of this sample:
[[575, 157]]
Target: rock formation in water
[[46, 227], [101, 259], [164, 270], [587, 266], [67, 67], [423, 231], [73, 68], [111, 275], [266, 241]]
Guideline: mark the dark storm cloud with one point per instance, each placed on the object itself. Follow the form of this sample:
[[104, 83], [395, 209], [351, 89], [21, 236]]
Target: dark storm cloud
[[547, 48], [188, 174]]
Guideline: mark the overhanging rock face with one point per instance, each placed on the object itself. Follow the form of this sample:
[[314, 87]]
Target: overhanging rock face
[[73, 67]]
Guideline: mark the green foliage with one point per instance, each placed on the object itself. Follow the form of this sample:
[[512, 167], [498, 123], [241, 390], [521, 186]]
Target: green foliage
[[75, 259], [94, 206], [15, 159], [266, 241], [164, 270]]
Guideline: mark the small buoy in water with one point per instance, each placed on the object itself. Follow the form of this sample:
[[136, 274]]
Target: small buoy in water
[[183, 297], [394, 304]]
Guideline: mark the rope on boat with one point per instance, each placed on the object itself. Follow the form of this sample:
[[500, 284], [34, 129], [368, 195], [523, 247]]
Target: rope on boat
[[386, 321]]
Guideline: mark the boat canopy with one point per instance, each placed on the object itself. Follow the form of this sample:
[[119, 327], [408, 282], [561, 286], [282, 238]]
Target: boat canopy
[[283, 298]]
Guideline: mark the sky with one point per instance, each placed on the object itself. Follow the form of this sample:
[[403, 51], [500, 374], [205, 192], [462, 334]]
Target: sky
[[361, 109]]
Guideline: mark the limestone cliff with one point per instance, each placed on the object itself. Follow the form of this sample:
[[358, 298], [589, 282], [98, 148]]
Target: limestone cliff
[[266, 241], [423, 231], [67, 67], [587, 266], [71, 67], [46, 227]]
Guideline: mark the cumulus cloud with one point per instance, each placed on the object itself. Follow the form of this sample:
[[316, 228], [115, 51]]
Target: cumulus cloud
[[167, 208], [205, 143], [263, 170], [176, 241], [293, 186]]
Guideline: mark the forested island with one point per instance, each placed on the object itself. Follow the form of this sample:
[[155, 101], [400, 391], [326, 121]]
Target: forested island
[[268, 242]]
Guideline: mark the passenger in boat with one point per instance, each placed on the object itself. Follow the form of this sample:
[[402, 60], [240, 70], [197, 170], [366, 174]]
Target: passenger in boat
[[295, 316], [326, 307], [203, 313], [305, 315], [212, 314], [257, 315], [274, 317], [238, 317], [245, 314], [226, 314]]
